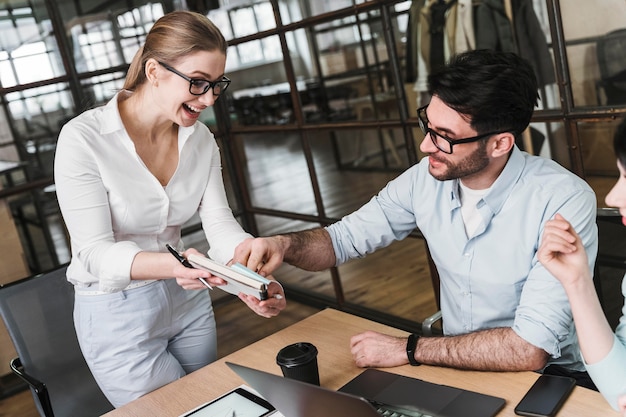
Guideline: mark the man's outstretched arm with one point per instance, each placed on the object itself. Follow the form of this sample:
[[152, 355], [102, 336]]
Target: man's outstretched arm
[[499, 349]]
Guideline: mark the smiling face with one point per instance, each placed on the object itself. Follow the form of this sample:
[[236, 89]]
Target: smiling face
[[170, 91], [617, 196]]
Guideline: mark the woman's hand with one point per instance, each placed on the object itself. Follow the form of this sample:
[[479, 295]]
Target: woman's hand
[[191, 278], [562, 252], [271, 307]]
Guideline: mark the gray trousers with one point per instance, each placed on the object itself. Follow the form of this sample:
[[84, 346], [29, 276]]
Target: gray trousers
[[138, 340]]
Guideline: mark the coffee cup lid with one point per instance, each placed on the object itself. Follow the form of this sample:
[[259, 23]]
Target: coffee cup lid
[[296, 354]]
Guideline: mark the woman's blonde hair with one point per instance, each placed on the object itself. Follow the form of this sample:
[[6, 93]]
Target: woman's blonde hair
[[173, 36]]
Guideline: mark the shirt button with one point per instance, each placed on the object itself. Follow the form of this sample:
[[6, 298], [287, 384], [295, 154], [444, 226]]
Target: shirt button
[[466, 254]]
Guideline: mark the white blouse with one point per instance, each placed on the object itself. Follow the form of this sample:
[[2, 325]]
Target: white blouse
[[114, 207]]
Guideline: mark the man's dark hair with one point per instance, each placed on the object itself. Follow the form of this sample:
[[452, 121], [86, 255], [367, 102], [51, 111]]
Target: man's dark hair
[[497, 91], [619, 143]]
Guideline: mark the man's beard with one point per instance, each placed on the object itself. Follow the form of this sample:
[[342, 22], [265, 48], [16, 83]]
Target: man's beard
[[471, 164]]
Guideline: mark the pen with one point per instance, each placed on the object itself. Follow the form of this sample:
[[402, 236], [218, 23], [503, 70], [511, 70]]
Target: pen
[[178, 256], [185, 263]]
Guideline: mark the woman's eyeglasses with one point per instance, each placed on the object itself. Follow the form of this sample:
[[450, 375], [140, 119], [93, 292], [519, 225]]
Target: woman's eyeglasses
[[199, 86]]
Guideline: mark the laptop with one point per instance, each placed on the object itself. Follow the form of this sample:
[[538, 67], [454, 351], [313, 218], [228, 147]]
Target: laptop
[[371, 394]]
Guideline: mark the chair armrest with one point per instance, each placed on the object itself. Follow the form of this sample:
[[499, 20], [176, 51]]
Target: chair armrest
[[427, 324], [37, 386], [18, 369]]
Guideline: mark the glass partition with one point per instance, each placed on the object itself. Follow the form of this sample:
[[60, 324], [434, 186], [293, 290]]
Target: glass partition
[[277, 174], [354, 62], [595, 38], [37, 115]]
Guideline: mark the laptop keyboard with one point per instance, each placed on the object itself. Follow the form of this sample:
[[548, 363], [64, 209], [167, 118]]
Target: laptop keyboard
[[390, 411]]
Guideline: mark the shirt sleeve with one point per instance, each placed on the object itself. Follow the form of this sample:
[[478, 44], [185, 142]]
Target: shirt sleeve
[[222, 230], [85, 207], [609, 374], [387, 217], [544, 317]]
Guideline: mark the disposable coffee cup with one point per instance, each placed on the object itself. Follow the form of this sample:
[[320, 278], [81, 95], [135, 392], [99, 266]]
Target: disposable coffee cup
[[299, 361]]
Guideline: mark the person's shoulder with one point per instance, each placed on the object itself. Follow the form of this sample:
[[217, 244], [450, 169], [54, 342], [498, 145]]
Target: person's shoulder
[[549, 171], [88, 120], [93, 117], [93, 123]]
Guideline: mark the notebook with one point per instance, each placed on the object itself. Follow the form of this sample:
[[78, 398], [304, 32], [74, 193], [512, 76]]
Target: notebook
[[365, 393]]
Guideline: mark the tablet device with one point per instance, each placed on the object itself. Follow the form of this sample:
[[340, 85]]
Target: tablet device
[[238, 278], [239, 402]]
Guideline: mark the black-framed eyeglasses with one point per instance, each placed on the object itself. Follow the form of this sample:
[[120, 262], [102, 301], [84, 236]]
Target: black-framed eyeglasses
[[199, 86], [442, 142]]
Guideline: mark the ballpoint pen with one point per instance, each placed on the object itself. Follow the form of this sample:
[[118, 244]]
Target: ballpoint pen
[[185, 263]]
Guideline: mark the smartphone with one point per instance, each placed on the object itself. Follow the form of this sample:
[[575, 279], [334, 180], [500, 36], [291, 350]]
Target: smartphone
[[238, 402], [546, 396]]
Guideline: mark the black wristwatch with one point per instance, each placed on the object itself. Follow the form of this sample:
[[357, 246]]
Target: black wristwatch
[[411, 344]]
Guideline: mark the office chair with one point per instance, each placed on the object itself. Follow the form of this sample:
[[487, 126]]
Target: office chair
[[38, 314], [428, 328], [612, 62], [610, 262]]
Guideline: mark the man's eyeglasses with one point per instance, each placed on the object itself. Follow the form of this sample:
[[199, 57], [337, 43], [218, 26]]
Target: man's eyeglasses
[[444, 143], [198, 86]]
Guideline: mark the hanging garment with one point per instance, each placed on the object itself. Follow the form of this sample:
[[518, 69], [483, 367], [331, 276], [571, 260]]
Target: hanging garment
[[438, 11], [531, 41], [412, 44], [524, 36]]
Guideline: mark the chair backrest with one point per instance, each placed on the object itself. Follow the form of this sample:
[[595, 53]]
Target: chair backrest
[[612, 62], [610, 265], [38, 312]]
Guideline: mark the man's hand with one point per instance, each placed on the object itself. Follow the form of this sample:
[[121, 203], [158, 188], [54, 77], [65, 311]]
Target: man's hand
[[499, 349], [262, 255], [372, 349]]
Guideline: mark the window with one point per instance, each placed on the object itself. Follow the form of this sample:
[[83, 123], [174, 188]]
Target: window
[[247, 20]]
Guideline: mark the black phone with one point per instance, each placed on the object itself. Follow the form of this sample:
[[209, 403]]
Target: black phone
[[546, 396]]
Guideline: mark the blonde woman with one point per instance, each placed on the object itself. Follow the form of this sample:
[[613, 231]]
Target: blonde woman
[[129, 175]]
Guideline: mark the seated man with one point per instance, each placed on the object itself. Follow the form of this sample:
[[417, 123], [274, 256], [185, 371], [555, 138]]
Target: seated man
[[481, 204]]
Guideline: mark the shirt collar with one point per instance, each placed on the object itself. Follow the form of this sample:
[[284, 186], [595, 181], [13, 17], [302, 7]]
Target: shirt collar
[[502, 186], [111, 120]]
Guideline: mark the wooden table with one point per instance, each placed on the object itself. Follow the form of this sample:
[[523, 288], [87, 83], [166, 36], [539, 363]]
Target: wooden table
[[330, 331]]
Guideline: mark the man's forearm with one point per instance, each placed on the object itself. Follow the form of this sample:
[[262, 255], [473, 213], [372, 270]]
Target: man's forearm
[[498, 349], [309, 249]]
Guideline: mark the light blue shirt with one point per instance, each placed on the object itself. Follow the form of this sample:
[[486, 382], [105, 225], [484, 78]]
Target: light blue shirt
[[609, 374], [494, 278]]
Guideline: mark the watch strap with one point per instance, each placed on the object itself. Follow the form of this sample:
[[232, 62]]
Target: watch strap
[[411, 345]]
